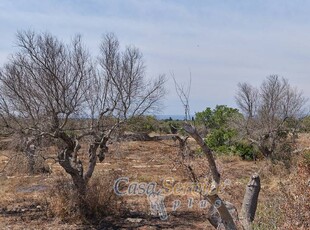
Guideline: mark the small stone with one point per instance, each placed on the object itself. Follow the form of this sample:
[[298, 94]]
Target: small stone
[[134, 220]]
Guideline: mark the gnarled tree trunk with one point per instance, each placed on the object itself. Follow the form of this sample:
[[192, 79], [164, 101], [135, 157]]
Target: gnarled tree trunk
[[224, 218]]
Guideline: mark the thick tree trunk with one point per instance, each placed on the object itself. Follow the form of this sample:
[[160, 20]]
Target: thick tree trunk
[[250, 200], [81, 188], [68, 159], [75, 170], [248, 207]]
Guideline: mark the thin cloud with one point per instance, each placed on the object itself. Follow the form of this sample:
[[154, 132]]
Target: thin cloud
[[220, 42]]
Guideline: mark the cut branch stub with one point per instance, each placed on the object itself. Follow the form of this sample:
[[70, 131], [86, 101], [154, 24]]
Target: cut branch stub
[[250, 200]]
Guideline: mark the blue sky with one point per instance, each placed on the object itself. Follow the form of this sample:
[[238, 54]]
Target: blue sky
[[220, 43]]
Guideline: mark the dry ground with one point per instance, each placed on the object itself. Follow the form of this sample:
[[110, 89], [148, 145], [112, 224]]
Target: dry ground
[[24, 199]]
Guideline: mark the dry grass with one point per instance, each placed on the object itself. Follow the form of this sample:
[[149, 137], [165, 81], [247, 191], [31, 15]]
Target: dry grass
[[303, 140], [280, 196], [101, 200], [18, 164]]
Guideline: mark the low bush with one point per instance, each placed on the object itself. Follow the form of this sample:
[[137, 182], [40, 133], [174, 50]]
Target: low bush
[[100, 200], [246, 151]]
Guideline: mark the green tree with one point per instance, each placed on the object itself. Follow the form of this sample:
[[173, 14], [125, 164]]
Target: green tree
[[217, 121], [222, 136], [216, 118]]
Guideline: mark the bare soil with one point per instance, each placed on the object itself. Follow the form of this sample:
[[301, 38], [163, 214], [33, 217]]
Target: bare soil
[[24, 199]]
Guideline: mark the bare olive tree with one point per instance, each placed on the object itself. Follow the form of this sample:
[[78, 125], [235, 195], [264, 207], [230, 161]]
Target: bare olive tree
[[271, 114], [47, 84], [43, 85]]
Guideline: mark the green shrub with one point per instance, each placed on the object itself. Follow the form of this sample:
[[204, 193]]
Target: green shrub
[[220, 137], [216, 118], [246, 151]]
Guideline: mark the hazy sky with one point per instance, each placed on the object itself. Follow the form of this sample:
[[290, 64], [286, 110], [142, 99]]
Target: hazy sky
[[219, 42]]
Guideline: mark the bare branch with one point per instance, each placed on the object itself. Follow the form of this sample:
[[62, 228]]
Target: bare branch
[[183, 95]]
